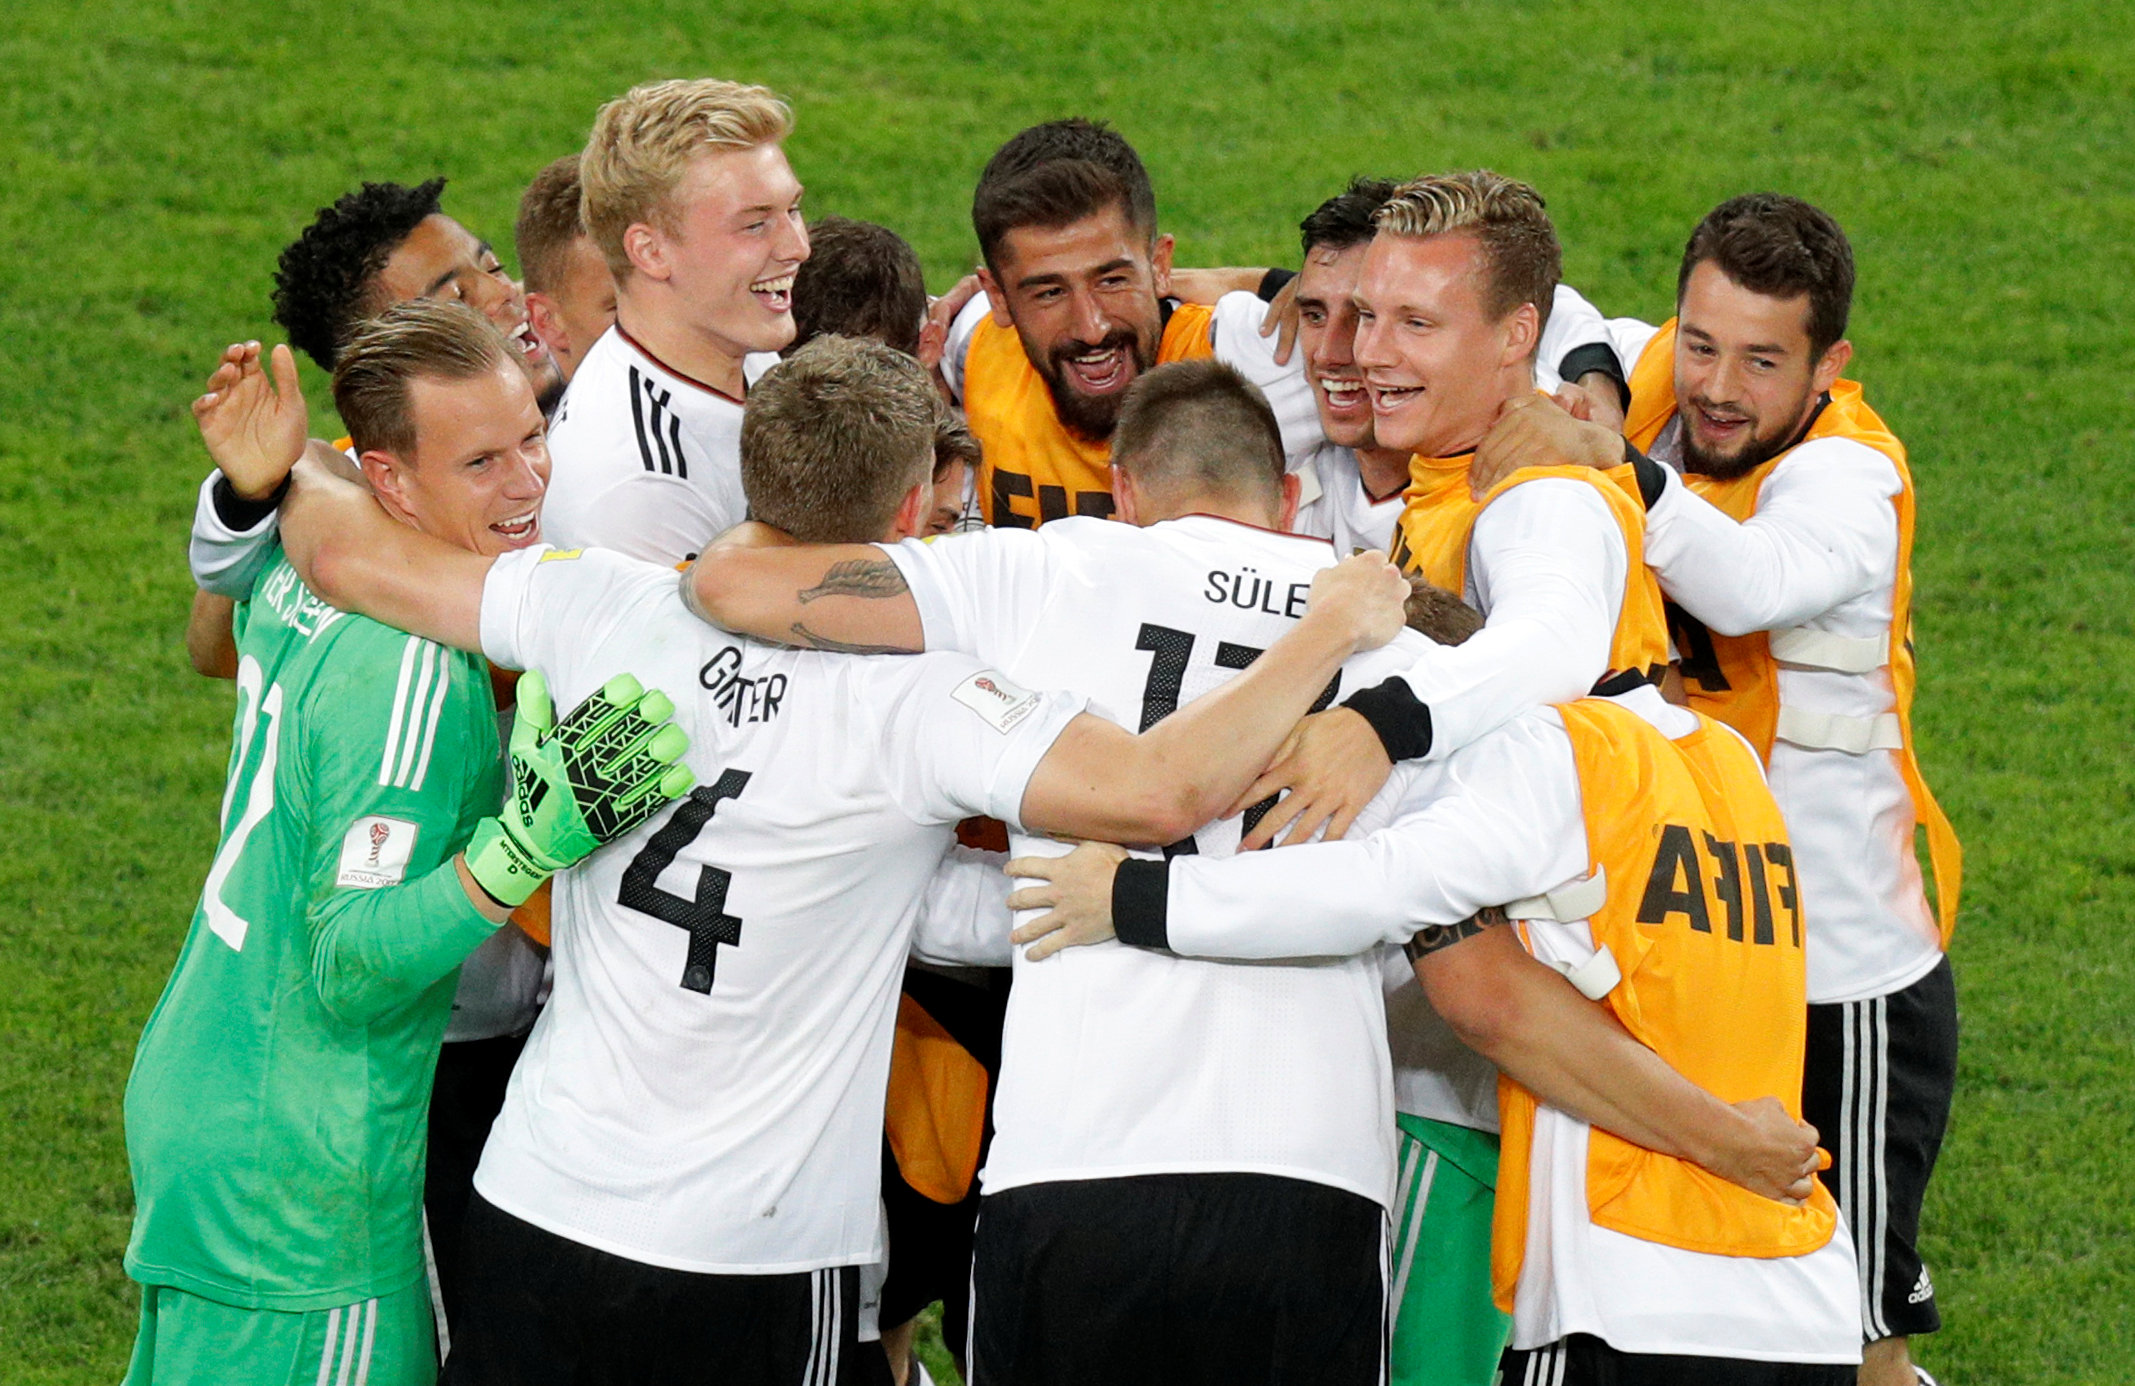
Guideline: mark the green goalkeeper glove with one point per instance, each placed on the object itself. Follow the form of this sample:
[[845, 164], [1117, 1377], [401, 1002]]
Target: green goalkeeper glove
[[578, 784]]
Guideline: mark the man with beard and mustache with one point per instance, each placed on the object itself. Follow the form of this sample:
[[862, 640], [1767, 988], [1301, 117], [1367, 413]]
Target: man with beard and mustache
[[1783, 539], [1077, 306]]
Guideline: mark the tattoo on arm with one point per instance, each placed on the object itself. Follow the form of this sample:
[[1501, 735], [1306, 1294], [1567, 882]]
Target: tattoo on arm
[[858, 577], [809, 640], [1434, 938]]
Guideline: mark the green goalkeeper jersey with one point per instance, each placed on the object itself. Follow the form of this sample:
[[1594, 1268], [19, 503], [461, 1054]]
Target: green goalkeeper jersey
[[275, 1118]]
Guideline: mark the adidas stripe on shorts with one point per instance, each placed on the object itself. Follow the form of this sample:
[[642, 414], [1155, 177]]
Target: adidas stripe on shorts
[[184, 1339], [1877, 1088]]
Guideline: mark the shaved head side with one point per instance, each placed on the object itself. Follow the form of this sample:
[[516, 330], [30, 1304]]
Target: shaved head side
[[1199, 426]]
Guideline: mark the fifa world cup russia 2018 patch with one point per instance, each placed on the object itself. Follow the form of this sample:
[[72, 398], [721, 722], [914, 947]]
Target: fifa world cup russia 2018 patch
[[375, 853], [995, 699]]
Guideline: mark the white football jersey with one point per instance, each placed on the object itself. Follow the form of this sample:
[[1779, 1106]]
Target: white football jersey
[[704, 1090], [1340, 510], [1501, 820], [1121, 1061], [643, 459]]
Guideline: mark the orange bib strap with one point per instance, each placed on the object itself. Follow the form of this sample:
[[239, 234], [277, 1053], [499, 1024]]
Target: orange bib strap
[[1032, 467], [936, 1110]]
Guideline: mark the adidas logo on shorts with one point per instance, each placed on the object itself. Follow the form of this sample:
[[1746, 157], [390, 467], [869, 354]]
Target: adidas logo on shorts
[[1923, 1289]]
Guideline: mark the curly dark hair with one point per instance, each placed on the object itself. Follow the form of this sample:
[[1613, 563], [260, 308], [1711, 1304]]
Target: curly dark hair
[[326, 280]]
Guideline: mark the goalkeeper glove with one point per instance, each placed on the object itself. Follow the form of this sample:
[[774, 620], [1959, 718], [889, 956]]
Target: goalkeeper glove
[[578, 784]]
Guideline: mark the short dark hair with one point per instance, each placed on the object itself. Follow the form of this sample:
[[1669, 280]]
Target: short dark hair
[[1344, 220], [1200, 424], [548, 223], [327, 279], [418, 338], [859, 280], [1437, 614], [1782, 247], [954, 441], [1056, 174], [834, 436]]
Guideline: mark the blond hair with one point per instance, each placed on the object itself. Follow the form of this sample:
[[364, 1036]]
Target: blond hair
[[1506, 216], [643, 142], [415, 339]]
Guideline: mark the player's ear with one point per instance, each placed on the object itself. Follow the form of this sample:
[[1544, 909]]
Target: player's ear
[[386, 475], [1831, 366], [1160, 264], [1286, 513], [1523, 333], [547, 324], [647, 250], [1125, 500], [995, 298], [914, 510]]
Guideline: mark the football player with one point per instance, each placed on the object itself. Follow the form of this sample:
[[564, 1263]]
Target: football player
[[274, 1116], [686, 1168]]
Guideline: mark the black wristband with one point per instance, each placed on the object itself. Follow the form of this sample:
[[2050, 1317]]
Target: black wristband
[[238, 514], [1652, 476], [1403, 724], [1271, 283], [1141, 892], [1594, 356]]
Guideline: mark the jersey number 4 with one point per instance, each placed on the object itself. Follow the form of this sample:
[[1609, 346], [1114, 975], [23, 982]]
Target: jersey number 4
[[1172, 650], [702, 913]]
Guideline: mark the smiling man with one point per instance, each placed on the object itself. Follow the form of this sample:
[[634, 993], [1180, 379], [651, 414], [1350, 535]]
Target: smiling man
[[386, 243], [570, 295], [1452, 298], [274, 1116], [1783, 539], [1077, 307], [688, 195]]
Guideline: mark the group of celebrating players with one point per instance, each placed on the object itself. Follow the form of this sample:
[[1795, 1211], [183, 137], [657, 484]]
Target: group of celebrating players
[[756, 968]]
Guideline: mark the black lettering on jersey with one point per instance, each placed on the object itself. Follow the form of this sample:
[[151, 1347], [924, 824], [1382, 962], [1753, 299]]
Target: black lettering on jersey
[[1247, 590], [1728, 884], [1786, 888], [1695, 655], [659, 430], [703, 914], [741, 699], [1167, 671], [1229, 656], [1760, 897], [1053, 502], [1006, 486], [1676, 862]]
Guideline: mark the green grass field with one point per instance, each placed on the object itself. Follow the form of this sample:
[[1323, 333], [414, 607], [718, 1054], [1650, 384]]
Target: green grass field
[[158, 156]]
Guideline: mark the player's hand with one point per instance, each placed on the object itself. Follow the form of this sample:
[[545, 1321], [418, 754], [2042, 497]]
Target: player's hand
[[1532, 431], [941, 315], [579, 783], [1331, 766], [1280, 321], [1772, 1154], [1595, 398], [1365, 597], [1077, 891], [254, 428]]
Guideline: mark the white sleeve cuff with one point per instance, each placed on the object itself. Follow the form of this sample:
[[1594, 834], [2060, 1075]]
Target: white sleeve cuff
[[226, 562]]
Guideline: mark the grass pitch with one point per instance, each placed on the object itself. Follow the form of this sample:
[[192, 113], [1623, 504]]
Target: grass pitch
[[160, 155]]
